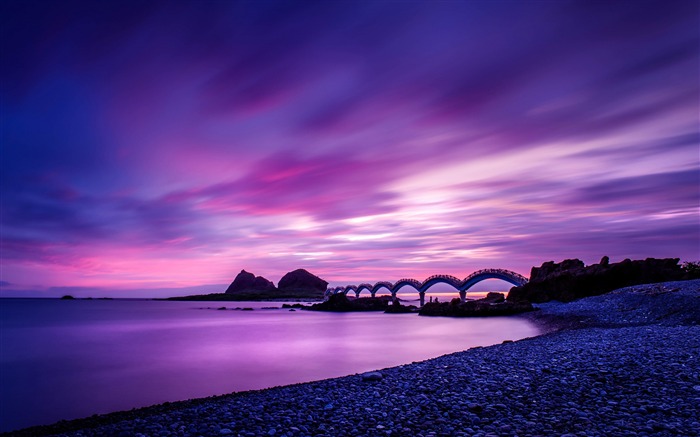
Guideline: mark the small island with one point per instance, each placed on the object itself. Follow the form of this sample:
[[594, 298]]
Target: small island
[[295, 285]]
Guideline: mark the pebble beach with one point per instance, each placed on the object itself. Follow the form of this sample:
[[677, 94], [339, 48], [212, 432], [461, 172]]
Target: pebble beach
[[626, 363]]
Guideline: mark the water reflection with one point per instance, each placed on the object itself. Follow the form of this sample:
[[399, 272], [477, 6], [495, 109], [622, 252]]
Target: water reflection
[[68, 359]]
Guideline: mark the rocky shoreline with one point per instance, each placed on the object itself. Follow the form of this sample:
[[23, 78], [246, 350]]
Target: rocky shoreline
[[619, 364]]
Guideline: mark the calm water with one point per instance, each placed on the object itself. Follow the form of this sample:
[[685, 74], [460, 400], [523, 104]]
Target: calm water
[[69, 359]]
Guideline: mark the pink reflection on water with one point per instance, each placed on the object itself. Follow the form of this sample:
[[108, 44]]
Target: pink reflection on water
[[103, 356]]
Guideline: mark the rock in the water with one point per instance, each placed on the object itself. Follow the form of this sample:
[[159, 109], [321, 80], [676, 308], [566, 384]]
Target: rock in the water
[[492, 297], [300, 279], [246, 281], [571, 279], [397, 308], [340, 303], [372, 376], [475, 308]]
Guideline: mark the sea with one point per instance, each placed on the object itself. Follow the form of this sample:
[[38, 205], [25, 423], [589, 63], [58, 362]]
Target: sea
[[66, 359]]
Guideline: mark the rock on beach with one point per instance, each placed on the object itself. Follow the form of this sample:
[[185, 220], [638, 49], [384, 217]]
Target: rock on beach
[[621, 364], [372, 376]]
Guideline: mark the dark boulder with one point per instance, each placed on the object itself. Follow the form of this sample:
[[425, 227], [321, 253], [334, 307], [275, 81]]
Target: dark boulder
[[302, 280], [397, 308], [492, 297], [372, 376], [246, 281], [571, 279]]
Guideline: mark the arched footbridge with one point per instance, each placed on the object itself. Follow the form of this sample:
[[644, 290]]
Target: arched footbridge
[[462, 285]]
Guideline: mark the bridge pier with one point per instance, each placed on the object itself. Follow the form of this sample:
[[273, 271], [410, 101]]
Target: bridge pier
[[393, 296], [373, 293], [357, 294], [421, 294], [463, 296]]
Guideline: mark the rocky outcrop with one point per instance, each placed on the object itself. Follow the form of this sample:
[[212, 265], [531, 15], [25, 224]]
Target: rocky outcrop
[[247, 282], [492, 297], [298, 284], [397, 308], [571, 279], [340, 303], [492, 305], [301, 280], [550, 269]]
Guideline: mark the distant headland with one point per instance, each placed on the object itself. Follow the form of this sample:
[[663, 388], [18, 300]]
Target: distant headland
[[295, 285]]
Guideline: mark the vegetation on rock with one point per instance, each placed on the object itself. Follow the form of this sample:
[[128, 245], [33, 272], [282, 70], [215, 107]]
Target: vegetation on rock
[[692, 269]]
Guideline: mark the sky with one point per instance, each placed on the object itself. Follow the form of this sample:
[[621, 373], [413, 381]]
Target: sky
[[160, 147]]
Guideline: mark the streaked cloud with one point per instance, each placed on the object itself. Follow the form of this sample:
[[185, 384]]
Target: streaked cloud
[[166, 145]]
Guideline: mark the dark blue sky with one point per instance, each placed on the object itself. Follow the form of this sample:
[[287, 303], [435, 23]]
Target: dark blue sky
[[165, 144]]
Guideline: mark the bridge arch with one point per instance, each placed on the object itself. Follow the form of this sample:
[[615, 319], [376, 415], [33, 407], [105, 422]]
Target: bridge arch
[[401, 283], [461, 285], [364, 286], [453, 281], [382, 284], [502, 274], [359, 291]]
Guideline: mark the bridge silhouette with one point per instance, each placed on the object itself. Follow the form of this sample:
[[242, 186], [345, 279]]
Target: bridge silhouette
[[462, 285]]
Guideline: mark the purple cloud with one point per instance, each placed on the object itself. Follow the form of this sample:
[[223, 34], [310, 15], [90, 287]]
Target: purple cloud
[[658, 191], [165, 145]]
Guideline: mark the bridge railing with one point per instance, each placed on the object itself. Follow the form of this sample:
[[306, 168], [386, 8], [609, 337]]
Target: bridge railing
[[498, 272], [413, 282], [450, 277]]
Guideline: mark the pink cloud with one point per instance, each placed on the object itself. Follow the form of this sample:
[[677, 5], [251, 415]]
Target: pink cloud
[[169, 145]]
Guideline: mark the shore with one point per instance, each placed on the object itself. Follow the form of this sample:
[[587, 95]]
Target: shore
[[624, 363]]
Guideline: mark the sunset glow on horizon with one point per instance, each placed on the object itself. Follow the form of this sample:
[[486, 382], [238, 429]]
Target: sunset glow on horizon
[[166, 145]]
